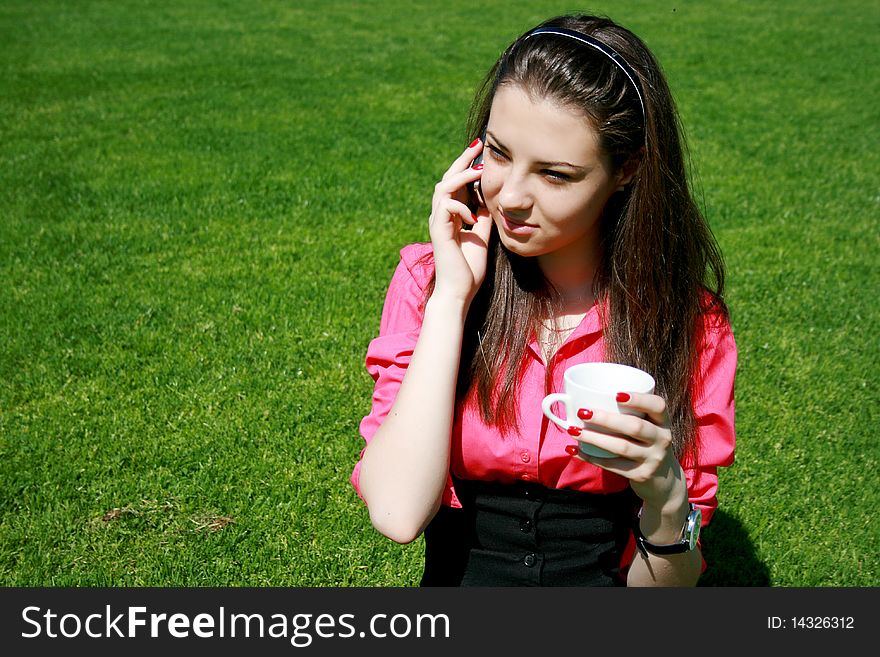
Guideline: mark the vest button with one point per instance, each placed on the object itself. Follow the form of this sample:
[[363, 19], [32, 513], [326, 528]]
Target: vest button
[[530, 560]]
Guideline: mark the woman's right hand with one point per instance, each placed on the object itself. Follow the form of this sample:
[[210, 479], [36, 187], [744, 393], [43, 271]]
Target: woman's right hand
[[459, 255]]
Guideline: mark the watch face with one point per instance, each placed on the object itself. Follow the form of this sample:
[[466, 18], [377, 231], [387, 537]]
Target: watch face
[[695, 520]]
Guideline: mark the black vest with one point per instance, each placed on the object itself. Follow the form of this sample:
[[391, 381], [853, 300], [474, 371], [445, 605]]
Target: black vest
[[525, 534]]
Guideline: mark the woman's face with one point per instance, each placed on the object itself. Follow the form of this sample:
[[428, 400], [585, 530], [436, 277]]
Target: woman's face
[[545, 180]]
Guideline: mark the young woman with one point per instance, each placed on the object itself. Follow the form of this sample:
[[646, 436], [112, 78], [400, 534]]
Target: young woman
[[586, 245]]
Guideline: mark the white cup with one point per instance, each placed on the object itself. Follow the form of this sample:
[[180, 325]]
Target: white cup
[[594, 386]]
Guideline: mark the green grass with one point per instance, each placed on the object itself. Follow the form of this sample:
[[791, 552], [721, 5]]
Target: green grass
[[201, 204]]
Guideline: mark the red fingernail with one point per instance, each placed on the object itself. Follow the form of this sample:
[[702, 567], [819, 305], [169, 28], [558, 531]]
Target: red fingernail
[[574, 431], [474, 142], [623, 397], [478, 167], [571, 450], [585, 413]]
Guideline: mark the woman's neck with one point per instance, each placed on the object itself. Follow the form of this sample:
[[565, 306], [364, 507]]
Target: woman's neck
[[572, 278]]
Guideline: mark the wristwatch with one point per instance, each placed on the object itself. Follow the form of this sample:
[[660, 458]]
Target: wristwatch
[[690, 532]]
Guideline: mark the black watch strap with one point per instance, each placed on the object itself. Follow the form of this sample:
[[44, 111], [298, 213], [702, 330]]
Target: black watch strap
[[685, 543]]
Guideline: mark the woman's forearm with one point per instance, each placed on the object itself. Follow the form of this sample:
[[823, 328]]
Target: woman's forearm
[[668, 570], [405, 466], [660, 528]]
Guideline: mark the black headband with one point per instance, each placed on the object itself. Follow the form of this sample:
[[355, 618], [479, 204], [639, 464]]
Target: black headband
[[609, 52]]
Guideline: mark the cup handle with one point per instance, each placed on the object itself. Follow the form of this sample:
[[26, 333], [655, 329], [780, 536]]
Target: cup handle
[[551, 399]]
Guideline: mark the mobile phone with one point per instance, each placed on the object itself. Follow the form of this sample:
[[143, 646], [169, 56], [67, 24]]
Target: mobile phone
[[475, 195]]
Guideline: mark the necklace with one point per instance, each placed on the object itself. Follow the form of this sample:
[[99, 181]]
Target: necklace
[[551, 337], [553, 331]]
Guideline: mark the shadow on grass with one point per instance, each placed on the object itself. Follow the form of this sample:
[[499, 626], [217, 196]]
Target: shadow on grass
[[730, 555]]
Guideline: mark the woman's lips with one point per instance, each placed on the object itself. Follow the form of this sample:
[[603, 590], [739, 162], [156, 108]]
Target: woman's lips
[[517, 227]]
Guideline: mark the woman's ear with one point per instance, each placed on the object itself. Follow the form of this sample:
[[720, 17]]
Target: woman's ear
[[628, 170]]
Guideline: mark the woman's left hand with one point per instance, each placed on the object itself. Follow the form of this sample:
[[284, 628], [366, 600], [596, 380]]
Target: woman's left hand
[[643, 447]]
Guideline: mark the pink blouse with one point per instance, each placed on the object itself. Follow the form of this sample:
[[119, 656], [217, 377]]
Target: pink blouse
[[536, 452]]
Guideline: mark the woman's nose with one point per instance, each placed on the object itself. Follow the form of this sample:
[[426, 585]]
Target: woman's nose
[[514, 194]]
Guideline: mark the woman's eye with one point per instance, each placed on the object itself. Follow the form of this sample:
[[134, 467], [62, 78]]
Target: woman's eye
[[556, 176], [495, 153]]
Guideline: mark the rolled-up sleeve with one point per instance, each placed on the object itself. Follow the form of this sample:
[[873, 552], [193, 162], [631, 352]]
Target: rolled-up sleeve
[[389, 354], [714, 408]]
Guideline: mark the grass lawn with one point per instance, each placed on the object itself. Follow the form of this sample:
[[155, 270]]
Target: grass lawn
[[201, 204]]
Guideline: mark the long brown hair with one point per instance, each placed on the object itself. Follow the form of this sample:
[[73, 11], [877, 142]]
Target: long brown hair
[[661, 269]]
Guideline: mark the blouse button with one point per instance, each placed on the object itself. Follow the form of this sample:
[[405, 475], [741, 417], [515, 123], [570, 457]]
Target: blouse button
[[530, 560], [525, 457]]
